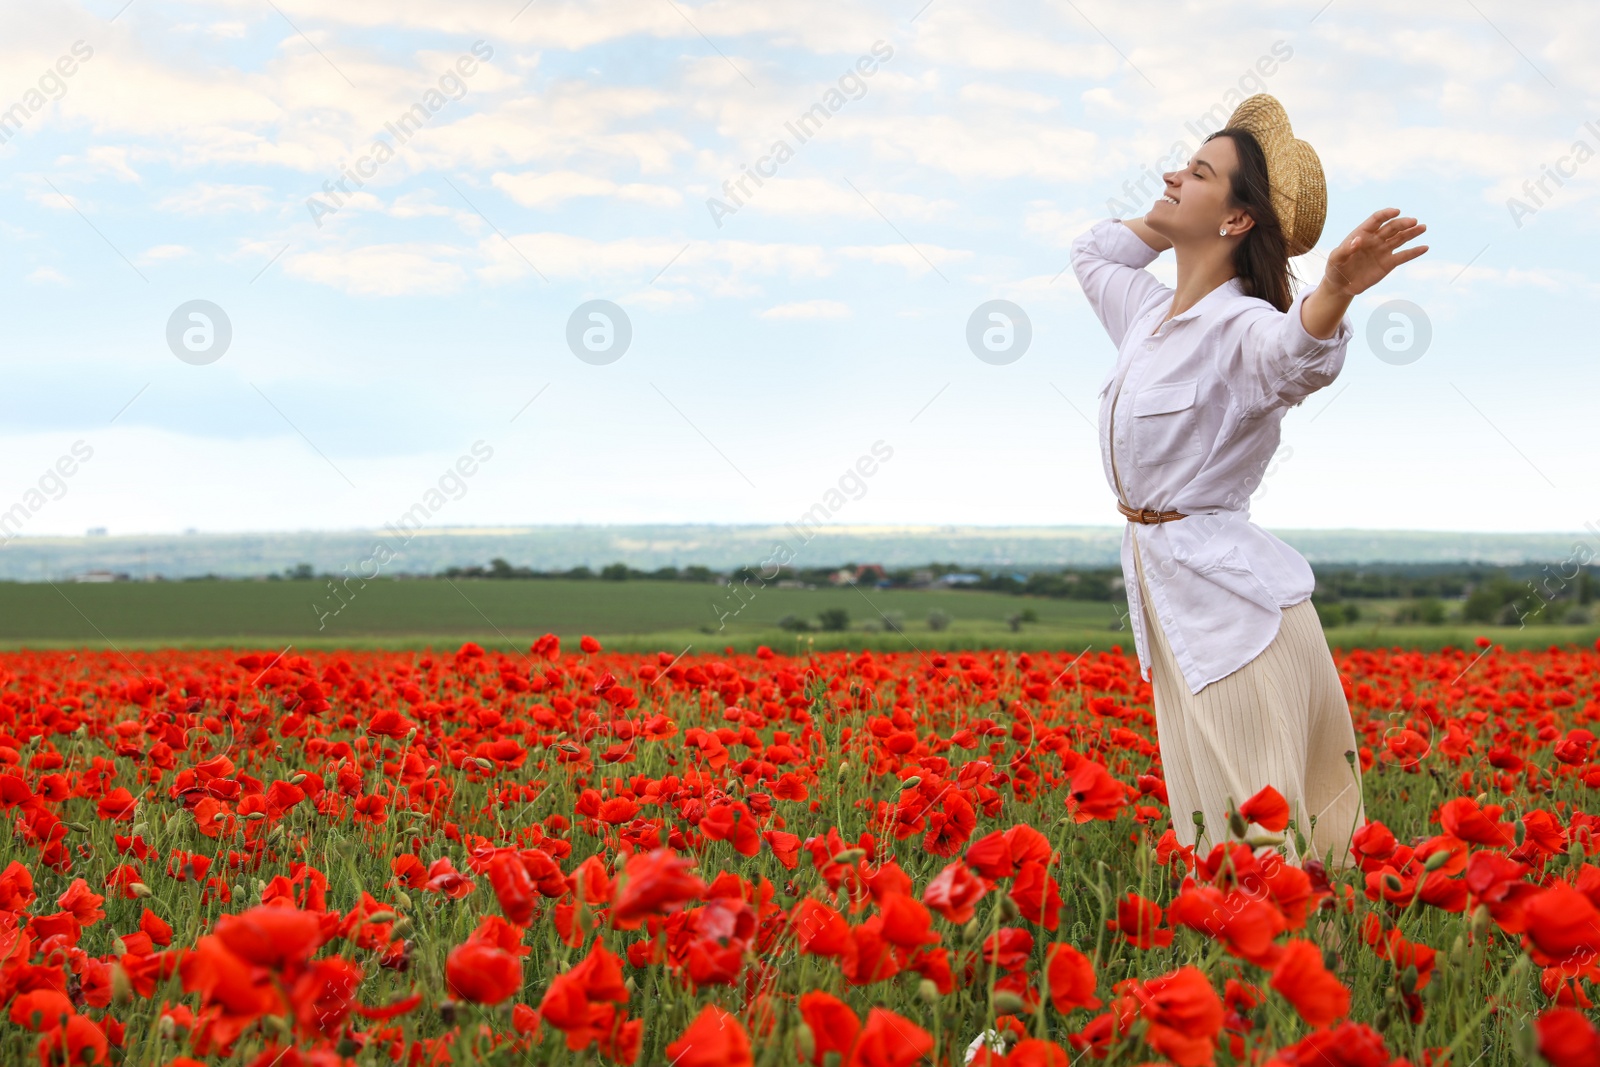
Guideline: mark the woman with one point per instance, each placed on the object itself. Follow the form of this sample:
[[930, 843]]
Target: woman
[[1246, 692]]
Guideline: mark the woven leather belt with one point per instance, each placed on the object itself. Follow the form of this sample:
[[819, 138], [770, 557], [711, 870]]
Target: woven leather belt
[[1148, 516]]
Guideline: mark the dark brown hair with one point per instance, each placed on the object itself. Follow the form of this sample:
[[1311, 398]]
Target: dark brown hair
[[1262, 259]]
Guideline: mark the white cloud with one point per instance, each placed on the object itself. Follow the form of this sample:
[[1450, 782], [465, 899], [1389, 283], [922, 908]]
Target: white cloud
[[47, 274], [554, 187], [1000, 96], [162, 253], [808, 309], [208, 198], [381, 270]]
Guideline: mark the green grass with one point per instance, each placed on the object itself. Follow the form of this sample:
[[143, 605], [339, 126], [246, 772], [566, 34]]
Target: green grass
[[627, 616]]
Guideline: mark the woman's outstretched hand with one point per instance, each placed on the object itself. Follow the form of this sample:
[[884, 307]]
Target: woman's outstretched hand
[[1372, 250]]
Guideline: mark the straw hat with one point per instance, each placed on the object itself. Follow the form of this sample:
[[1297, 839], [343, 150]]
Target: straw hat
[[1299, 191]]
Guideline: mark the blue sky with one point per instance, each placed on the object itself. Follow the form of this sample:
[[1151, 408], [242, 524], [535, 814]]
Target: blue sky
[[374, 345]]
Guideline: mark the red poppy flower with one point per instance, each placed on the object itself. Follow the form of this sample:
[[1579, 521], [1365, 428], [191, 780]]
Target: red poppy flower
[[833, 1025], [482, 973], [271, 936], [714, 1039], [953, 892], [1139, 920], [1070, 976], [1568, 1039], [906, 922], [657, 882], [512, 887], [1183, 1013], [1267, 809], [820, 930], [1316, 994]]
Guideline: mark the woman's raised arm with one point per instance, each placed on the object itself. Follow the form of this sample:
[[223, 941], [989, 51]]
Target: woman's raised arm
[[1109, 260]]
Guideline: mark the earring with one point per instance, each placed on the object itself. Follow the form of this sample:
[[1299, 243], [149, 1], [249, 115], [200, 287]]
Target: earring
[[1222, 232]]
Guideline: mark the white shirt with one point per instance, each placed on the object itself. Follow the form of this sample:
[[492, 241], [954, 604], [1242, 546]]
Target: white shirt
[[1196, 404]]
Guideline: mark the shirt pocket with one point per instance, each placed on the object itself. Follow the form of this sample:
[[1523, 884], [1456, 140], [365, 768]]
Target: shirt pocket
[[1166, 426]]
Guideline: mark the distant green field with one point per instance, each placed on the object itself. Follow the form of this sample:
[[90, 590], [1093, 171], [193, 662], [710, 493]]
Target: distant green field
[[640, 616]]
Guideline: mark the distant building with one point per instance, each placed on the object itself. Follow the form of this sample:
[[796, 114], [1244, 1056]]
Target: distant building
[[99, 576], [849, 576], [95, 531], [958, 578]]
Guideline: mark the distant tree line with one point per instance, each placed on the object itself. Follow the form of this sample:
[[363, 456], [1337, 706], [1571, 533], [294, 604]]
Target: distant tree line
[[1430, 593]]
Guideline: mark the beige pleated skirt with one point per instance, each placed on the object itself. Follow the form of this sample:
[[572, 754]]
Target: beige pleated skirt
[[1280, 720]]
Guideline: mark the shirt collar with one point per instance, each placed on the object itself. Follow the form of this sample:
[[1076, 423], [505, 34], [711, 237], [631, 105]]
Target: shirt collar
[[1233, 287]]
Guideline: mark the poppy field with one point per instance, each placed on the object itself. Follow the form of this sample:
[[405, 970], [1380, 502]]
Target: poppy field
[[870, 859]]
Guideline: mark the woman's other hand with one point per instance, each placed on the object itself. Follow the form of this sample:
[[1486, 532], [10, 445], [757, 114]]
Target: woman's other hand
[[1372, 250]]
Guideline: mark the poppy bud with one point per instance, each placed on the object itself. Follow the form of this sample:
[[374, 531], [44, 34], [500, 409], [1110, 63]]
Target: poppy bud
[[1392, 884], [912, 782], [297, 777], [483, 764], [167, 1028], [121, 988], [807, 1042], [1521, 832], [1009, 912], [1008, 1003], [1481, 799], [1198, 818], [119, 947], [401, 926], [844, 768], [139, 828], [139, 889], [1435, 861], [254, 816], [1408, 979], [848, 855], [1237, 824], [1480, 920], [1350, 756], [1256, 837], [447, 1012], [402, 900], [928, 991], [972, 931], [82, 829], [383, 916]]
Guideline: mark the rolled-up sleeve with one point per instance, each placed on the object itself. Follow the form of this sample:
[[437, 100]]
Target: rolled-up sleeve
[[1282, 363], [1109, 261]]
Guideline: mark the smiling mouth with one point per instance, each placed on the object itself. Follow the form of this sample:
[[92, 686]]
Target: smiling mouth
[[1164, 199]]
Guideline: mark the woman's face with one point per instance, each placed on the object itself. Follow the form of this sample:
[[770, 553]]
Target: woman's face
[[1200, 192]]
